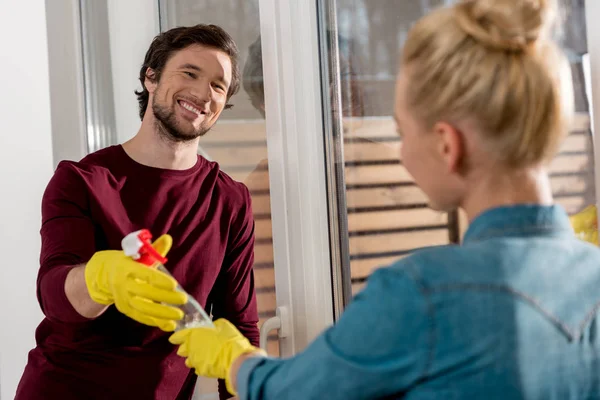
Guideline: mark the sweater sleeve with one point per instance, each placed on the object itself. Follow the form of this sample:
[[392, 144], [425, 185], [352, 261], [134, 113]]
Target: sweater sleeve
[[67, 235]]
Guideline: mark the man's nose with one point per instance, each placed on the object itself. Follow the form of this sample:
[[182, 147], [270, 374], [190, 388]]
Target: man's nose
[[202, 90]]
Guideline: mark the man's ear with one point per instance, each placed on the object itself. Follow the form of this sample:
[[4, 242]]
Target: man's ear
[[150, 82], [450, 145]]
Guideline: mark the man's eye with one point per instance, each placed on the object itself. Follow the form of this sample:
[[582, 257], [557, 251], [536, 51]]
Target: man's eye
[[190, 74]]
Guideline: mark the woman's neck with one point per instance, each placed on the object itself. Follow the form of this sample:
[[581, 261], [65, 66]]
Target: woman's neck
[[529, 186]]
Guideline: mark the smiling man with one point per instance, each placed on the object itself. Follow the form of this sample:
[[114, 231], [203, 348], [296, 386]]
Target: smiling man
[[104, 335]]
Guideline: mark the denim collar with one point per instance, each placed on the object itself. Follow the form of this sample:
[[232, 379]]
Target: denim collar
[[519, 220]]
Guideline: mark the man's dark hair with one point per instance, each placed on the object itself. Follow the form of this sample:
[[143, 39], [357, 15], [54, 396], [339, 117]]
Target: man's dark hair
[[167, 43]]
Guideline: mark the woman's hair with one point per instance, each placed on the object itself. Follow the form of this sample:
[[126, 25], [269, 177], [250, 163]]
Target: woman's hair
[[493, 63]]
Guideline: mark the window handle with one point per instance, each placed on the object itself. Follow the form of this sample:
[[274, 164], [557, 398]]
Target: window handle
[[279, 322]]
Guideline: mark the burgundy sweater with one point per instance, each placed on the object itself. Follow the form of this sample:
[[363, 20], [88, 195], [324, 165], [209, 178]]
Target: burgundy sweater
[[90, 206]]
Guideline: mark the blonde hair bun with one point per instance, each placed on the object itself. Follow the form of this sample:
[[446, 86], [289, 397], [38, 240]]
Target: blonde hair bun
[[507, 25]]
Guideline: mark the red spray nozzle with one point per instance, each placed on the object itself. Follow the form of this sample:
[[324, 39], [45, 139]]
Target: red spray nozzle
[[138, 245]]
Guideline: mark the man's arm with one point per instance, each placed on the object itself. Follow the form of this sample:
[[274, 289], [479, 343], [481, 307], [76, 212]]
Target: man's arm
[[233, 297], [74, 276], [78, 295], [68, 241]]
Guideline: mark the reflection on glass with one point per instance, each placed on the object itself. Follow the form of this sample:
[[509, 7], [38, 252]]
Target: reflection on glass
[[387, 214], [238, 140]]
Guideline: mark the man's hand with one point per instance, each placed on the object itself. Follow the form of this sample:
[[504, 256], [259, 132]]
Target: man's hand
[[135, 289], [212, 351]]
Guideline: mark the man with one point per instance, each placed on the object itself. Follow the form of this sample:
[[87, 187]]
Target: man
[[100, 338]]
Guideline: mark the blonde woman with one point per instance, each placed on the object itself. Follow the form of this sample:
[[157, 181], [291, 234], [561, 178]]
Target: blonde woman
[[483, 102]]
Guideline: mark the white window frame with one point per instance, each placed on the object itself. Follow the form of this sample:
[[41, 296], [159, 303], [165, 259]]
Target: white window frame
[[65, 64], [295, 140]]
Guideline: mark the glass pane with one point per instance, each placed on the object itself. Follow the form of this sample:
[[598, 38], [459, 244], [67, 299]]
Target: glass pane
[[387, 215], [238, 141]]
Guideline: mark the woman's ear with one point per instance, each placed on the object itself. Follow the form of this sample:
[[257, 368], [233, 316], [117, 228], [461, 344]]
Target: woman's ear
[[450, 145]]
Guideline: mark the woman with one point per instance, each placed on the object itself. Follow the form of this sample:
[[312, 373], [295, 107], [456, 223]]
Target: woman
[[483, 101]]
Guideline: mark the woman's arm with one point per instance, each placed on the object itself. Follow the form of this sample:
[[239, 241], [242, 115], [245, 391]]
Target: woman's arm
[[379, 347]]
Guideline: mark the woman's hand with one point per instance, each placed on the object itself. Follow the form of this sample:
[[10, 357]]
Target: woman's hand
[[212, 351]]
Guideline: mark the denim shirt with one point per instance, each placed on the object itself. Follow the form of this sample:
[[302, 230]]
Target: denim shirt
[[510, 314]]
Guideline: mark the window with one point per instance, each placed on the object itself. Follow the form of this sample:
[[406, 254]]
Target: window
[[381, 214]]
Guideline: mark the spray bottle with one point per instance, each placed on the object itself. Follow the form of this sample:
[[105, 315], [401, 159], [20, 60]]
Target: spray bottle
[[138, 246]]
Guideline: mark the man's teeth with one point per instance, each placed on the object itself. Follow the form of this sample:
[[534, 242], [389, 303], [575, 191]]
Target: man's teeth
[[190, 108]]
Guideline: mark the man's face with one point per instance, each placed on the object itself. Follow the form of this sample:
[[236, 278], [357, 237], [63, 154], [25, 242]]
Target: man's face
[[191, 93]]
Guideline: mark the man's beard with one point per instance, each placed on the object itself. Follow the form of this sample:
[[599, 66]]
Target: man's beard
[[168, 127]]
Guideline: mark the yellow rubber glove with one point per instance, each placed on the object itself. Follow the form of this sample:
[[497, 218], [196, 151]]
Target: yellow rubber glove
[[135, 289], [585, 224], [212, 351]]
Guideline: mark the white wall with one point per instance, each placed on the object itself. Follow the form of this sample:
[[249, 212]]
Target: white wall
[[25, 168]]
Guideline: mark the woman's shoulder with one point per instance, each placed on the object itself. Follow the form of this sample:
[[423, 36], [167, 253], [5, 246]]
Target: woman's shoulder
[[444, 265]]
